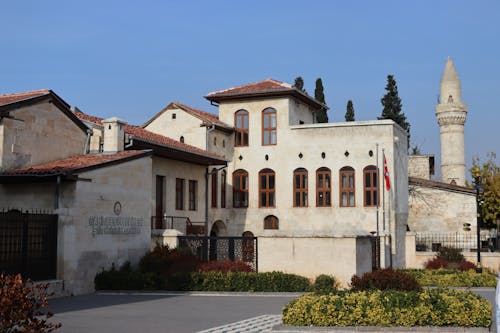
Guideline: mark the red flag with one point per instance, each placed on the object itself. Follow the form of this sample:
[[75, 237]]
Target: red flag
[[386, 176]]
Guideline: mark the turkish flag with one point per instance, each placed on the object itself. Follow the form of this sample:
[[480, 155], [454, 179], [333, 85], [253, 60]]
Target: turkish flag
[[386, 176]]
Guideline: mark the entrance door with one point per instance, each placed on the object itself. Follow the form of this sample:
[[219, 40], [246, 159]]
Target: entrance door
[[247, 247], [160, 181]]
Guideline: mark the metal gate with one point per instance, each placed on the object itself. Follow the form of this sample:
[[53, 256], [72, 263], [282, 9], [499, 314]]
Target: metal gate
[[222, 248], [28, 244]]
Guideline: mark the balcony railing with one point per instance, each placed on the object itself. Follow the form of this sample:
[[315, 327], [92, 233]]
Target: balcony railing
[[181, 223]]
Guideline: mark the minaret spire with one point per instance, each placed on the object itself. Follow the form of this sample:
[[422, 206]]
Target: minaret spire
[[451, 114]]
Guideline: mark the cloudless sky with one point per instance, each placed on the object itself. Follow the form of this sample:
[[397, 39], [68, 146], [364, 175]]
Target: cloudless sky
[[131, 58]]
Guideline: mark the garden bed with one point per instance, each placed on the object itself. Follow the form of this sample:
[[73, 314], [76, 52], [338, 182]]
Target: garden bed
[[432, 307]]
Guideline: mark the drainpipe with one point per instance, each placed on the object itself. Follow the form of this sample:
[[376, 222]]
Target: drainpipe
[[58, 191], [209, 129], [206, 214]]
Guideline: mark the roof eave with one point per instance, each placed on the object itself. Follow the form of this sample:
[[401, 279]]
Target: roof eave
[[161, 149], [267, 93]]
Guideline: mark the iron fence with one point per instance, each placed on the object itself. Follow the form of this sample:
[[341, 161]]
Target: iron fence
[[222, 248], [28, 244], [467, 242]]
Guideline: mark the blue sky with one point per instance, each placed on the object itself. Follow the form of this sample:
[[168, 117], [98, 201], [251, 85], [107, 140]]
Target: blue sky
[[132, 58]]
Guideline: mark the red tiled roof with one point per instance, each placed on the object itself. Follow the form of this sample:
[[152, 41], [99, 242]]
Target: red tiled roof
[[73, 164], [265, 85], [11, 98], [141, 133], [265, 88], [444, 186]]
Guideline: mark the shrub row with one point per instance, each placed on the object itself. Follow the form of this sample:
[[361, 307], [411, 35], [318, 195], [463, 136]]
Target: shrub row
[[202, 281], [385, 279], [452, 278], [432, 307]]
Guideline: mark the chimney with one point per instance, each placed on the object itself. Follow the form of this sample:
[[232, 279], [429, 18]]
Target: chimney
[[114, 135]]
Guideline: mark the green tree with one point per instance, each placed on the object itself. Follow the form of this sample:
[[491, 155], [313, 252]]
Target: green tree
[[299, 83], [322, 116], [349, 113], [489, 173], [392, 106]]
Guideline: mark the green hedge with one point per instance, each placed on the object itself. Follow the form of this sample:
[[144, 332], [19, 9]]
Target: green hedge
[[452, 278], [202, 281], [432, 307]]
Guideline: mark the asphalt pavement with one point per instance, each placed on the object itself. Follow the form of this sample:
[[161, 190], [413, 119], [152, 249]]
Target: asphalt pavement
[[178, 312]]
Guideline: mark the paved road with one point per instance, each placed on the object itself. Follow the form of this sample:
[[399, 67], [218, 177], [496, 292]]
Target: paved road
[[163, 312], [175, 312]]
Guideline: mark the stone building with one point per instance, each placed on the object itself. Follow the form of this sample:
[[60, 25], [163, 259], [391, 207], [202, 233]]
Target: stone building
[[79, 194], [304, 189]]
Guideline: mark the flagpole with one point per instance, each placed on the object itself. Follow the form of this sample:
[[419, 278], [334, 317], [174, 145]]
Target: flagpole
[[383, 192], [378, 181]]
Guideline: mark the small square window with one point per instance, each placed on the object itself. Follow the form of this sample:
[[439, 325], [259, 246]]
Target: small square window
[[174, 116]]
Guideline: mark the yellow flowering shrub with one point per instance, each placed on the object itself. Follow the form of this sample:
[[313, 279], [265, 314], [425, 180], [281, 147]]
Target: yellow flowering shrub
[[432, 307], [452, 278]]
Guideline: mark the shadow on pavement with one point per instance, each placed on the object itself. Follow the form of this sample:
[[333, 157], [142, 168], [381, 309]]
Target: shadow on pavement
[[92, 301]]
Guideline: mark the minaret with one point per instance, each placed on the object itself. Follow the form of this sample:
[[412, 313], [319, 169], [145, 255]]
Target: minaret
[[451, 114]]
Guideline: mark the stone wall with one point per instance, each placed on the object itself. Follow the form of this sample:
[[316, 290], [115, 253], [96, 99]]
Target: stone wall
[[341, 257], [440, 210], [35, 136]]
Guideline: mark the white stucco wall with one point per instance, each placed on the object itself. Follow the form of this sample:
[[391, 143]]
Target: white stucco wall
[[184, 124], [171, 170], [333, 139], [35, 136]]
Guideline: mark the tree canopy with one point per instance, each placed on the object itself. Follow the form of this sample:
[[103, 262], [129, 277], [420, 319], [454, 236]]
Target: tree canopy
[[392, 106], [489, 173], [299, 83], [349, 113]]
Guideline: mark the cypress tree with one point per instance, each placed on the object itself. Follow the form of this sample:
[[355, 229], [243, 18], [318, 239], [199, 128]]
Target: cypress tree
[[299, 83], [392, 106], [349, 113], [322, 116]]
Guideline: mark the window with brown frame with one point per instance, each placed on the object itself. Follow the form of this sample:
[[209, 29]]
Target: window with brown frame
[[269, 127], [214, 188], [323, 187], [271, 222], [347, 187], [179, 194], [370, 186], [193, 194], [223, 181], [267, 187], [240, 189], [241, 128], [300, 187]]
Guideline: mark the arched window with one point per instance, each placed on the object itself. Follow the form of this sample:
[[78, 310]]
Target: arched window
[[267, 186], [271, 222], [370, 186], [268, 127], [240, 189], [347, 188], [300, 187], [247, 246], [223, 181], [214, 188], [182, 139], [323, 187], [241, 128]]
